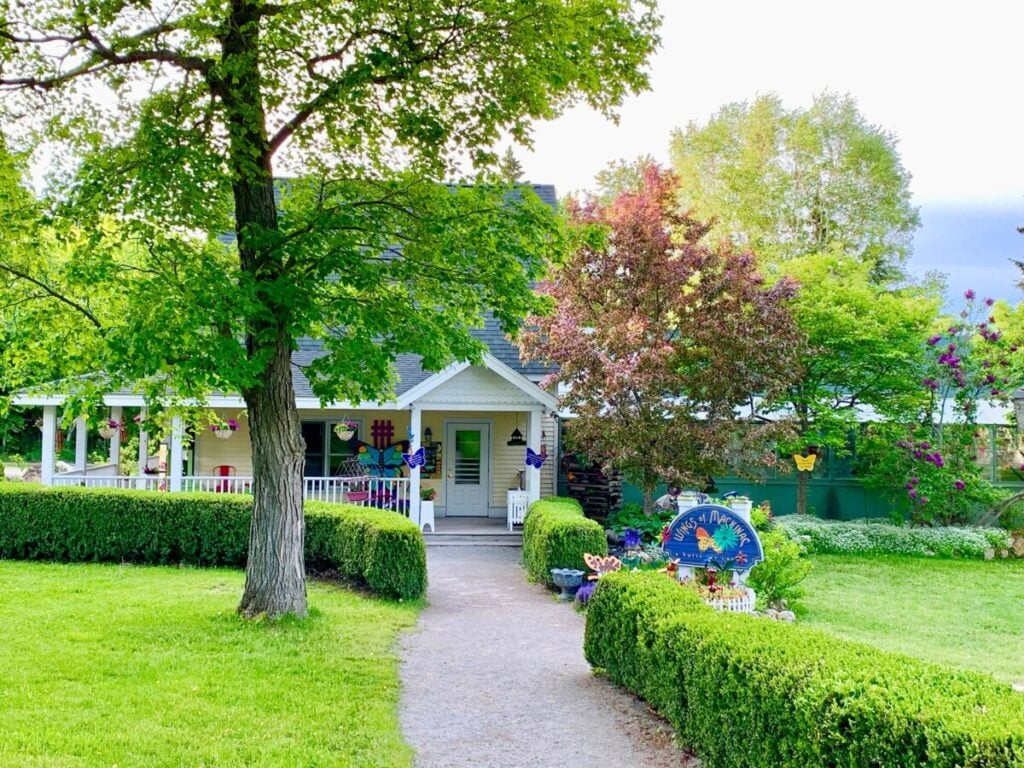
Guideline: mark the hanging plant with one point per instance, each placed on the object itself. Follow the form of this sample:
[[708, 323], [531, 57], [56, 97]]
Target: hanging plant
[[346, 429], [224, 429], [109, 429]]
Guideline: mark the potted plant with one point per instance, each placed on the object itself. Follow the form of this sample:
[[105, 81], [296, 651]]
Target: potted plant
[[345, 429], [427, 496], [224, 429], [109, 428]]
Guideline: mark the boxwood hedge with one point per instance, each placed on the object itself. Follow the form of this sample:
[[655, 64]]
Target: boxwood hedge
[[379, 548], [745, 692], [556, 535]]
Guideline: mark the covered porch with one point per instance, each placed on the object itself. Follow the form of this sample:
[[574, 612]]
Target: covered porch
[[474, 424]]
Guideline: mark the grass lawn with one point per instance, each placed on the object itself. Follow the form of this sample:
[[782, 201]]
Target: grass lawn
[[137, 666], [964, 612]]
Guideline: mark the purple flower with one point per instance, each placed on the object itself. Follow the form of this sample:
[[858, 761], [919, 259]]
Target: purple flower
[[585, 592], [951, 347], [986, 363], [912, 493], [990, 378], [933, 340], [925, 445], [914, 481], [959, 485], [969, 294], [924, 499], [989, 302], [931, 384], [631, 538]]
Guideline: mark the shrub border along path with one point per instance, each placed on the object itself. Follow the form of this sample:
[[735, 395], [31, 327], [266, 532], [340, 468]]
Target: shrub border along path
[[382, 549], [747, 692], [495, 676]]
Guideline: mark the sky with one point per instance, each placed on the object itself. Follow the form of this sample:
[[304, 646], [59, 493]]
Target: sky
[[943, 77]]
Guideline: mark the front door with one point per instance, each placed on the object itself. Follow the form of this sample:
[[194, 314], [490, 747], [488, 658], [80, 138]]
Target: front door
[[467, 448]]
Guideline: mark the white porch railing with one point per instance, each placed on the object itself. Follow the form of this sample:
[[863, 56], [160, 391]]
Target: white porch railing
[[383, 492]]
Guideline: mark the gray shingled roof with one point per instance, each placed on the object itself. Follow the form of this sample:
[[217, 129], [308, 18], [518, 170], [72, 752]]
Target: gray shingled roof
[[409, 368]]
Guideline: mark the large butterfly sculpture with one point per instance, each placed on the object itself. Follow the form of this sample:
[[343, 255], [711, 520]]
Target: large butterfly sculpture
[[415, 459], [382, 463], [600, 565], [805, 463], [534, 459]]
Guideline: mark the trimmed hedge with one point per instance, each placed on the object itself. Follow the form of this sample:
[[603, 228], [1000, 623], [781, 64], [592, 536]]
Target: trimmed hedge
[[557, 535], [382, 549], [859, 537], [745, 692]]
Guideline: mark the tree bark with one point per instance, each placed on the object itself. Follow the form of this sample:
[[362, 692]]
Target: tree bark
[[648, 502], [275, 577]]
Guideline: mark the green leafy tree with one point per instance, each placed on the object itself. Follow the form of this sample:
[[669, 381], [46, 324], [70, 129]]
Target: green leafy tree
[[863, 352], [371, 103], [789, 183]]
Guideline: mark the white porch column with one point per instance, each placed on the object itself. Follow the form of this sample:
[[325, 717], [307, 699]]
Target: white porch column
[[143, 449], [81, 444], [115, 442], [416, 427], [533, 418], [49, 443], [177, 435]]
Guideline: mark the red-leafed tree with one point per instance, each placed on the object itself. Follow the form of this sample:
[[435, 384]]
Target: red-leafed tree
[[662, 339]]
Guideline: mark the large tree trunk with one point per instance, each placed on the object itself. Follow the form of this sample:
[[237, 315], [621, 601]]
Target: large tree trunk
[[275, 577]]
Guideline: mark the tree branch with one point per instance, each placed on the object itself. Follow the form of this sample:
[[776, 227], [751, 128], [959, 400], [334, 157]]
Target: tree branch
[[84, 311]]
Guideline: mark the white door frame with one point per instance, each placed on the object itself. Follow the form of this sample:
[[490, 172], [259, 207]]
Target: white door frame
[[449, 459]]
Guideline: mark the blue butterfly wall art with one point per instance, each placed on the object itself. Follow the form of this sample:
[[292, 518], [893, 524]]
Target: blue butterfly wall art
[[534, 459], [387, 462], [415, 459]]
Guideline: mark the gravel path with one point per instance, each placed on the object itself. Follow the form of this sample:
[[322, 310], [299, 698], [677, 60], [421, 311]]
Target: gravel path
[[495, 677]]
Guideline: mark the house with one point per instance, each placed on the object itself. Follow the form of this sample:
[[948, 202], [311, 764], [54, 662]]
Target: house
[[474, 422]]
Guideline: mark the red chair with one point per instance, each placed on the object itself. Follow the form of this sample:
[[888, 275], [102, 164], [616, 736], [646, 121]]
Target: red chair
[[223, 470]]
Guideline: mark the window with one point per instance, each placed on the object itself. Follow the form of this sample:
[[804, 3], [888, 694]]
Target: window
[[327, 455]]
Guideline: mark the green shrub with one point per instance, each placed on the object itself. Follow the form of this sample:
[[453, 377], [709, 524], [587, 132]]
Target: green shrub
[[631, 515], [856, 537], [745, 692], [778, 576], [557, 535], [379, 548]]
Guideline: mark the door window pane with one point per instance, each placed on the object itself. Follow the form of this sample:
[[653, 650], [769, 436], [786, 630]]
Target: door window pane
[[467, 456]]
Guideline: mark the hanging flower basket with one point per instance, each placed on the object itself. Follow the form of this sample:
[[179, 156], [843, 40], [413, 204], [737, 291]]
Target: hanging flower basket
[[225, 429], [109, 429], [346, 429]]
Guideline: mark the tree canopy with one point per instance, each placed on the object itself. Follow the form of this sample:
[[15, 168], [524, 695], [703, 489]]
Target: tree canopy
[[792, 182], [660, 338], [176, 116]]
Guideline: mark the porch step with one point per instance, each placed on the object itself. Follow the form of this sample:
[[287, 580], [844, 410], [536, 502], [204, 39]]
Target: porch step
[[473, 539]]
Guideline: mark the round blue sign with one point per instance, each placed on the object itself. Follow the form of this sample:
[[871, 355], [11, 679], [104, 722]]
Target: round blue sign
[[712, 536]]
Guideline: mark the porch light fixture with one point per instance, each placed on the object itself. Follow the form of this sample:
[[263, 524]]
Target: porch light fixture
[[428, 435], [517, 437]]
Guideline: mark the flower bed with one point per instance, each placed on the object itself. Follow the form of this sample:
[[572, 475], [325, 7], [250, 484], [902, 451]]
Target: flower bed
[[861, 537], [745, 692]]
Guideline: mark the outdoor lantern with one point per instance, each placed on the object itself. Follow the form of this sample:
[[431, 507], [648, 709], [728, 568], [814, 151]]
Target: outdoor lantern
[[517, 438], [428, 435], [1018, 408]]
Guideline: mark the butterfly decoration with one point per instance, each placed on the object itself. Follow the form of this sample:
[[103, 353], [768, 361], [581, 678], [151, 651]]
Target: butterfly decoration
[[534, 459], [601, 565], [415, 459], [805, 463], [705, 541], [382, 462]]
